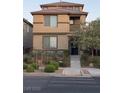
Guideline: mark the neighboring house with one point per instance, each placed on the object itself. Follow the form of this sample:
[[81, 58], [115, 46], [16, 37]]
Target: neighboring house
[[54, 24], [27, 36]]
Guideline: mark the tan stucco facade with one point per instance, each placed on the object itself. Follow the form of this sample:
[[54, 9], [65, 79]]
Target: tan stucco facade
[[63, 24], [62, 27], [62, 30]]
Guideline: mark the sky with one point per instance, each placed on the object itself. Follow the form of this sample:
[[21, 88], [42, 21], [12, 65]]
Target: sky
[[90, 6]]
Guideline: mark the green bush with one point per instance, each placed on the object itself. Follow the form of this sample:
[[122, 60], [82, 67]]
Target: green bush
[[34, 65], [66, 53], [61, 64], [24, 65], [27, 59], [29, 68], [84, 60], [96, 61], [56, 64], [49, 68]]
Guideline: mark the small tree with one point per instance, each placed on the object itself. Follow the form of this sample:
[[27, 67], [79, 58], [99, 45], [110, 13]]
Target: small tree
[[89, 35]]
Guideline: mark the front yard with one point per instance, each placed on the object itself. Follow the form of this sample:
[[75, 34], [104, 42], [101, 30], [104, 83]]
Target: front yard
[[90, 61], [50, 60]]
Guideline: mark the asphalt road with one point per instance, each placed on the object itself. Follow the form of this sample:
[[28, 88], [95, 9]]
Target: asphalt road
[[39, 84]]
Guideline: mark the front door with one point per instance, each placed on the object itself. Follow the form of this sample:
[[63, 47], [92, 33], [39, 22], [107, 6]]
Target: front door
[[74, 48]]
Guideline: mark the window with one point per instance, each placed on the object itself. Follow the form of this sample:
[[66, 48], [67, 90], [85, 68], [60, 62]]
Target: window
[[50, 42], [50, 21]]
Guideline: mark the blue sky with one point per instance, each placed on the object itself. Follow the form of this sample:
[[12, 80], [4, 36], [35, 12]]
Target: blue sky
[[90, 6]]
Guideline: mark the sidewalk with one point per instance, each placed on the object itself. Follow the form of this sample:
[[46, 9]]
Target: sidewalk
[[94, 72], [68, 72]]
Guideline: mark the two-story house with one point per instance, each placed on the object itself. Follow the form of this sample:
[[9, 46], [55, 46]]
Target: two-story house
[[27, 36], [54, 24]]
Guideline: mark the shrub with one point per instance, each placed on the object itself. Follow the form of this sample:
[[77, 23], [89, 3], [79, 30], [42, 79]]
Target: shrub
[[84, 60], [66, 53], [24, 65], [34, 65], [28, 59], [56, 64], [29, 68], [61, 64], [96, 61], [49, 68]]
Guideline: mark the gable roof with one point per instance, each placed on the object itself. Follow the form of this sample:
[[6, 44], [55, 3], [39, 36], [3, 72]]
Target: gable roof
[[61, 4], [59, 11]]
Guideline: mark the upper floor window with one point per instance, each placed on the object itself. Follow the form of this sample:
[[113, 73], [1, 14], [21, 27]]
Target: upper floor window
[[50, 21]]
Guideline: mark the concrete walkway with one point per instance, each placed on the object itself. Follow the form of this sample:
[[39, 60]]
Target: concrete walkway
[[75, 68], [75, 61]]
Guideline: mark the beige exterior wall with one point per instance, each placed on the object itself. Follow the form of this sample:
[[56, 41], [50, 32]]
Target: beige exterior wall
[[82, 18], [38, 18], [81, 9], [63, 25], [37, 42], [63, 42]]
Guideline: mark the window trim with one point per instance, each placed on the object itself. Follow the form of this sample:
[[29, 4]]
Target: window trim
[[50, 36]]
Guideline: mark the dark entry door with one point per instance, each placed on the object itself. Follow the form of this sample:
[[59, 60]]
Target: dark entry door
[[74, 49]]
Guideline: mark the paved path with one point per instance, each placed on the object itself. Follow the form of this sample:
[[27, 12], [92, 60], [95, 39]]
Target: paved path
[[75, 68], [61, 85], [75, 61]]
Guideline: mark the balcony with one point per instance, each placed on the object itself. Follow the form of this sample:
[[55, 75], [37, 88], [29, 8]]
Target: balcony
[[74, 23]]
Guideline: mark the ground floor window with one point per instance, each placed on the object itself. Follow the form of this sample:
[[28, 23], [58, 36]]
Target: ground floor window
[[49, 42]]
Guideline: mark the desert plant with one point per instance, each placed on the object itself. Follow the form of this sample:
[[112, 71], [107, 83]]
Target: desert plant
[[56, 64], [27, 59], [29, 68], [24, 65], [96, 61], [49, 68], [34, 65], [61, 64]]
